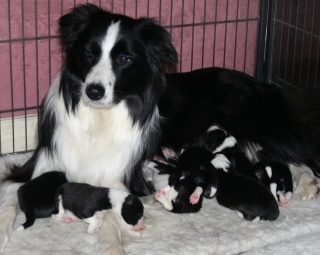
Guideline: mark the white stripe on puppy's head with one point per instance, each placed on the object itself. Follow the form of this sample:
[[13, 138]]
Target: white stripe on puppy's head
[[98, 89]]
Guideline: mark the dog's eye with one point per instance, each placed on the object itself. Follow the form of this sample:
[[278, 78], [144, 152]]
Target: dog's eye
[[89, 53], [124, 59]]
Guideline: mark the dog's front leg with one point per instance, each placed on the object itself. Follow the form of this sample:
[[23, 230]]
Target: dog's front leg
[[110, 240], [8, 210]]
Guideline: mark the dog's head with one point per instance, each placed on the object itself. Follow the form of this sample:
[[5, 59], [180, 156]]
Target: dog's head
[[111, 57]]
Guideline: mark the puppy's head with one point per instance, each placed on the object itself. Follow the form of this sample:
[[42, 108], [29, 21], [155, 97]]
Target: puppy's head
[[132, 212]]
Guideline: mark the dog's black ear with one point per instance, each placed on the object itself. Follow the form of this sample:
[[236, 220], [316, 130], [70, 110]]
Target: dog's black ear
[[157, 42], [74, 22]]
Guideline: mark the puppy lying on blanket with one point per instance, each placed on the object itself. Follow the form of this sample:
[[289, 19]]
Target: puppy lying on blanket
[[50, 195], [252, 200], [84, 201], [278, 178]]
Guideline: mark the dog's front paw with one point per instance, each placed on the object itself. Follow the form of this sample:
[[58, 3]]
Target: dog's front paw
[[3, 240], [310, 189], [111, 249]]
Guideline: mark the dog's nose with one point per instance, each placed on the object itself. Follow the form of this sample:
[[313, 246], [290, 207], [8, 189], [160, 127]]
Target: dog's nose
[[95, 91]]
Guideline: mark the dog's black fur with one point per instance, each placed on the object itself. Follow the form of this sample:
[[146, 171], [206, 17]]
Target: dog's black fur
[[284, 123], [37, 197]]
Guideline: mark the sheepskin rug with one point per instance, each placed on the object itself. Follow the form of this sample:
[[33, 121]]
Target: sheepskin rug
[[214, 230]]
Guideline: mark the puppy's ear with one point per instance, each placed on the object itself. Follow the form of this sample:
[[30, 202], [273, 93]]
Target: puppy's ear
[[74, 22], [157, 44]]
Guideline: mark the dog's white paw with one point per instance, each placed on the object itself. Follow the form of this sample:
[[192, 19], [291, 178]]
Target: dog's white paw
[[305, 183], [309, 187], [111, 249], [3, 240]]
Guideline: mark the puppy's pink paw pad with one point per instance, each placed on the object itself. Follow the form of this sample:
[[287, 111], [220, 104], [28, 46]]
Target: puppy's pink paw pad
[[68, 220], [194, 199], [159, 194], [284, 204]]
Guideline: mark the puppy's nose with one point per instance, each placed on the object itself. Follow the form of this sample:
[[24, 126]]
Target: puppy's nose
[[95, 91], [139, 226]]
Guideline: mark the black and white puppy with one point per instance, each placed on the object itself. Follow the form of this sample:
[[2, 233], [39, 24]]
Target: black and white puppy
[[251, 199], [278, 178], [176, 190], [37, 197], [86, 202]]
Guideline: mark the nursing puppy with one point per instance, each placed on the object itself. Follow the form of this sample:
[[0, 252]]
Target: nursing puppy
[[85, 202], [37, 197], [177, 196], [278, 178], [252, 200]]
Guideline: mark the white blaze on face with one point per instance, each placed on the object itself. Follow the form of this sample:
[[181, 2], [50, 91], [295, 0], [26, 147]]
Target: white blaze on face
[[273, 188], [102, 73]]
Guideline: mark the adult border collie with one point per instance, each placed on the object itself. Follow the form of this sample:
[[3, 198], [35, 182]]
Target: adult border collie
[[113, 105]]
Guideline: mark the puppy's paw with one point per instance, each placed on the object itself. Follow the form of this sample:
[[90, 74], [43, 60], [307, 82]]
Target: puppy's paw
[[194, 199], [68, 219], [159, 194], [20, 228], [283, 204]]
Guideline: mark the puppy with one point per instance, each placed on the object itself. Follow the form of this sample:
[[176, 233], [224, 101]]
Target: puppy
[[37, 197], [252, 200], [175, 198], [278, 178], [83, 201], [187, 182]]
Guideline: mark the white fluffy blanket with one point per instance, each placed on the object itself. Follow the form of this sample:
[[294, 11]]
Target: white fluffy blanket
[[214, 230]]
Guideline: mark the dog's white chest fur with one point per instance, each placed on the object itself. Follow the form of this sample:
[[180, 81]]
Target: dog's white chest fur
[[93, 145]]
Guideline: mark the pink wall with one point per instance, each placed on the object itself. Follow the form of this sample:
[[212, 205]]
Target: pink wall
[[28, 66]]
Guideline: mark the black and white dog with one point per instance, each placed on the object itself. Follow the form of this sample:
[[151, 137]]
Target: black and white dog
[[113, 105]]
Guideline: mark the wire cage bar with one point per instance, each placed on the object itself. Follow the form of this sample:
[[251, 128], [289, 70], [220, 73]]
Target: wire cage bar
[[204, 32], [296, 42]]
